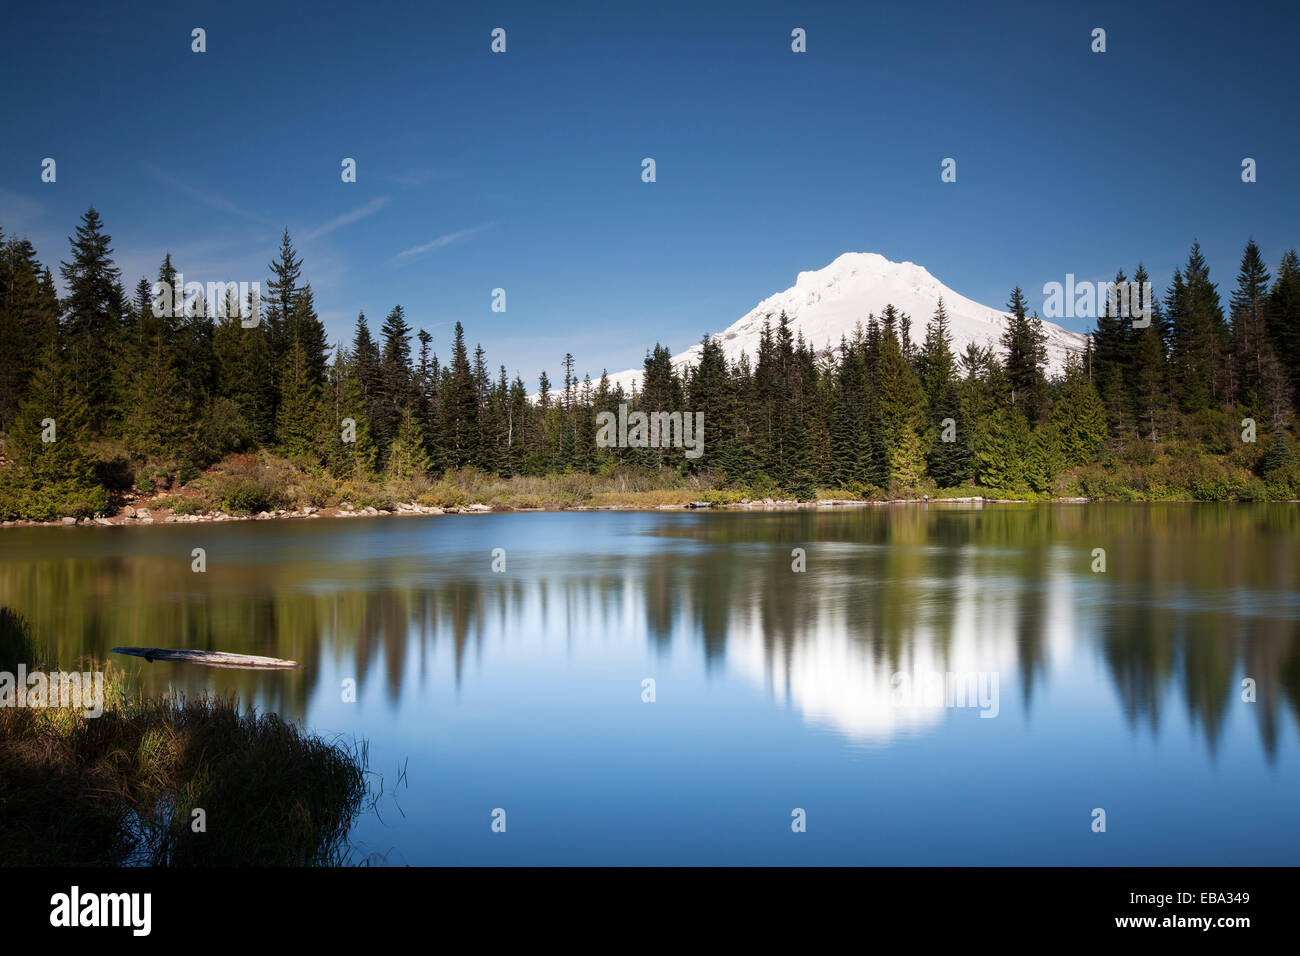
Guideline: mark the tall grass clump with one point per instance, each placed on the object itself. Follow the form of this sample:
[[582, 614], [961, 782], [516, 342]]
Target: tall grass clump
[[123, 788]]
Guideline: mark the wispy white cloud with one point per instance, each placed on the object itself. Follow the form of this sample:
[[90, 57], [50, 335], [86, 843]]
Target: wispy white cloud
[[376, 204], [208, 199], [440, 242]]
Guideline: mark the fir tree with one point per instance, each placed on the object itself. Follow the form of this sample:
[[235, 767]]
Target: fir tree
[[28, 322], [1026, 354], [406, 455], [92, 314], [1284, 321], [1078, 418], [298, 417], [949, 459], [347, 441], [50, 478], [395, 391], [1260, 381], [459, 406], [936, 364]]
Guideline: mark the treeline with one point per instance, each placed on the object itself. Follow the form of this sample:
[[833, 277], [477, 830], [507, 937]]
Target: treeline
[[135, 397]]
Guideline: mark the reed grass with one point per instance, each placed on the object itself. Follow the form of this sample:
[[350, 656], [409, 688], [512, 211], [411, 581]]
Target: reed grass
[[122, 788]]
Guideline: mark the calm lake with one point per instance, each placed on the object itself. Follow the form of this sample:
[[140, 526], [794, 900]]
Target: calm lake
[[942, 684]]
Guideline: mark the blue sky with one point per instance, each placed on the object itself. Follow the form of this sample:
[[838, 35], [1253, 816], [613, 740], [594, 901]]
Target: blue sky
[[523, 170]]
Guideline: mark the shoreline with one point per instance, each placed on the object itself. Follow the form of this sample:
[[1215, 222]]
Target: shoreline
[[144, 515]]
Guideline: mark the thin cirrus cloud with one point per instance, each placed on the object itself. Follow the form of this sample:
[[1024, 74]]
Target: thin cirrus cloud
[[407, 254], [376, 204], [225, 205], [208, 199]]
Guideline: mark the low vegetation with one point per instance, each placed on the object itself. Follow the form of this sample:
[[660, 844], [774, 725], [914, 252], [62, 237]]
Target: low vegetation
[[123, 787]]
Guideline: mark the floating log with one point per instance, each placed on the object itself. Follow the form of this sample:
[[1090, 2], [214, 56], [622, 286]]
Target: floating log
[[207, 658]]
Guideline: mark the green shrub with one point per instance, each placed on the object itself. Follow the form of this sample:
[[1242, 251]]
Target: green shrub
[[180, 504], [223, 430], [185, 505], [245, 484], [1278, 457], [802, 488], [245, 497], [1284, 484], [320, 491], [377, 497], [1253, 490], [443, 495], [1211, 487], [1102, 481], [51, 501]]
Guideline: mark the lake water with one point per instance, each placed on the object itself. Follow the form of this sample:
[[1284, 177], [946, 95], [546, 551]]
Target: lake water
[[775, 690]]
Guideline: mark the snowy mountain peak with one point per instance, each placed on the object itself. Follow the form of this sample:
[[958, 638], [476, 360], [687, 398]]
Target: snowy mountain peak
[[826, 304]]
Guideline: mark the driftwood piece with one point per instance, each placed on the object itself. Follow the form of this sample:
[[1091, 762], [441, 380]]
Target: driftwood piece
[[207, 658]]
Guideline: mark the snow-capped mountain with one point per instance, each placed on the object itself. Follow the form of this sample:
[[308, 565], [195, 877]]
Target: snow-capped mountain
[[827, 303]]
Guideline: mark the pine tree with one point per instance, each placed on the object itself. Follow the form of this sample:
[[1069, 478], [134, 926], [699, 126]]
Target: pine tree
[[901, 398], [365, 355], [459, 406], [1260, 381], [484, 434], [1001, 448], [517, 426], [307, 329], [707, 393], [298, 419], [849, 451], [1044, 460], [936, 365], [158, 424], [1113, 345], [1284, 321], [395, 391], [1198, 335], [242, 355], [193, 354], [1026, 355], [347, 413], [949, 462], [56, 478], [28, 322], [1279, 455], [1152, 405], [1078, 417], [406, 455], [907, 461], [424, 380], [281, 297], [92, 314]]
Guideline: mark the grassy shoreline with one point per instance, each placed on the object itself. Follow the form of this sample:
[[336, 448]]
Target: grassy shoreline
[[263, 485], [147, 513]]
